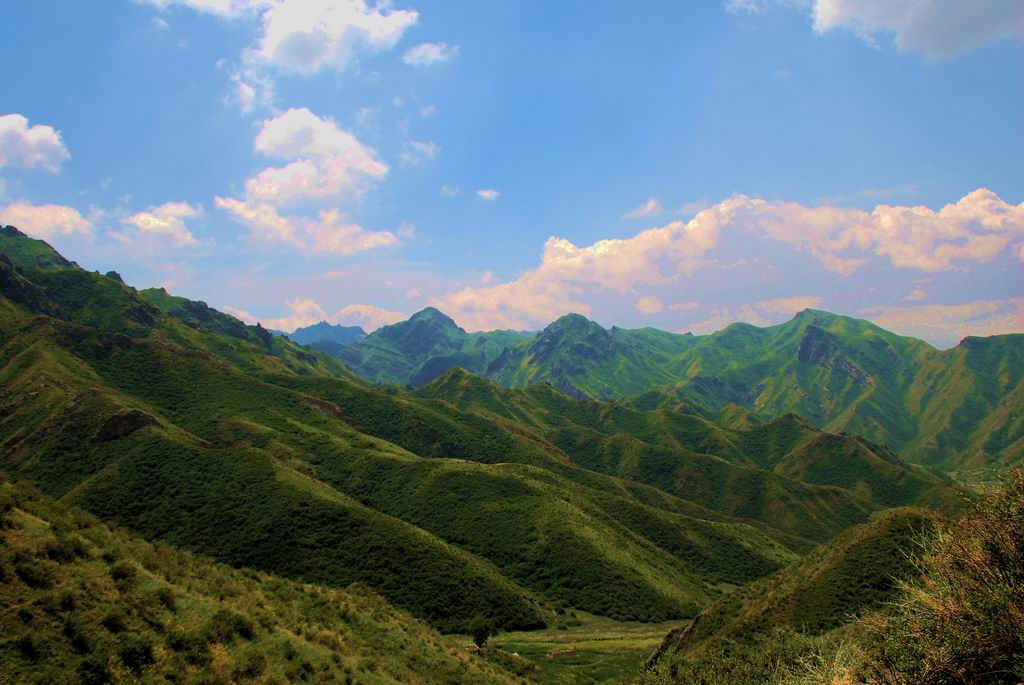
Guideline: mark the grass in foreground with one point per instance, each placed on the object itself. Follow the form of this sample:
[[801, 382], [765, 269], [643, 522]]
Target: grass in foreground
[[83, 602]]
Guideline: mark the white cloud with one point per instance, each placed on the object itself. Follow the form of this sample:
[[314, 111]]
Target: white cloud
[[426, 54], [933, 28], [305, 312], [428, 111], [167, 220], [488, 194], [329, 232], [648, 209], [305, 36], [649, 305], [450, 191], [262, 218], [947, 324], [973, 230], [160, 24], [30, 147], [298, 132], [45, 221], [412, 293], [417, 152], [328, 164], [301, 37], [407, 230]]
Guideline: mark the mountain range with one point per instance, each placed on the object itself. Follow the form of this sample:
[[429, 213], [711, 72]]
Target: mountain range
[[955, 409], [503, 477]]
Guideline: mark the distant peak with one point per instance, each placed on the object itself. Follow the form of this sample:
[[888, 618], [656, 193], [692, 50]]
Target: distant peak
[[430, 313], [572, 321]]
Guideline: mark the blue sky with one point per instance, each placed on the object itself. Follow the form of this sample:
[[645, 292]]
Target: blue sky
[[680, 165]]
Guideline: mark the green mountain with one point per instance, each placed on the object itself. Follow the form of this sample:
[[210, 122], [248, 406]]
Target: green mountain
[[84, 602], [416, 351], [957, 409], [186, 426]]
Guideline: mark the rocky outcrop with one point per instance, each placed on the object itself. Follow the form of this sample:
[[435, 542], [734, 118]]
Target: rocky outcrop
[[125, 423]]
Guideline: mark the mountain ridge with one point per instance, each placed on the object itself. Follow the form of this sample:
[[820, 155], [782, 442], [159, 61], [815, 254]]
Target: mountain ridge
[[841, 373]]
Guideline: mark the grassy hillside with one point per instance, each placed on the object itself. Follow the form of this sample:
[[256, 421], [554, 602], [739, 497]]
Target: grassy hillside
[[907, 599], [271, 456], [782, 623], [84, 602], [784, 473]]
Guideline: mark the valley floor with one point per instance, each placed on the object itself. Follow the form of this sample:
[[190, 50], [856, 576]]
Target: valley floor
[[607, 652]]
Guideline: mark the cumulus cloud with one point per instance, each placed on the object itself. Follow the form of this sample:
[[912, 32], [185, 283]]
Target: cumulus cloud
[[947, 324], [970, 231], [307, 36], [426, 54], [328, 164], [262, 218], [933, 28], [449, 190], [328, 232], [30, 147], [648, 305], [306, 312], [327, 161], [45, 221], [488, 194], [974, 229], [650, 208], [301, 37], [168, 221]]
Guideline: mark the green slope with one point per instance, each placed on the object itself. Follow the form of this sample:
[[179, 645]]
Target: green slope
[[785, 473], [270, 456], [755, 633], [84, 602]]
